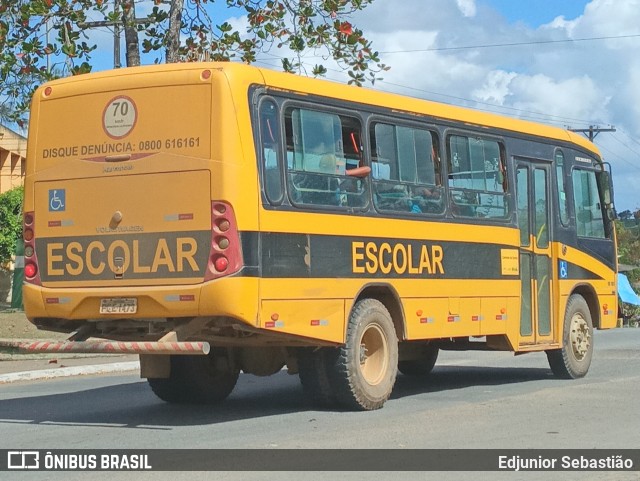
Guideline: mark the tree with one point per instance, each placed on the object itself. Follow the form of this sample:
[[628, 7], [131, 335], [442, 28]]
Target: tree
[[10, 223], [34, 33], [629, 247], [625, 215]]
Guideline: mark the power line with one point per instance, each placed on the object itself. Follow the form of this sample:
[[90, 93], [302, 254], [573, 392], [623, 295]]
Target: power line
[[538, 115], [625, 145], [631, 138], [635, 166], [511, 44], [534, 115]]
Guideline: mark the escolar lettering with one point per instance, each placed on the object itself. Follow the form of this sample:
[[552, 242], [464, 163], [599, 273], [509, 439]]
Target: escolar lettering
[[417, 259], [121, 256]]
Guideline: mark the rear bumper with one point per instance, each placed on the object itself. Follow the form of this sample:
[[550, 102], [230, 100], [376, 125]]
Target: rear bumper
[[235, 297], [110, 347]]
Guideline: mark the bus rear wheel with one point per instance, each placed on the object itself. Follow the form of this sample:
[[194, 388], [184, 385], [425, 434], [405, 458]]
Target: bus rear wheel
[[313, 367], [365, 369], [197, 379], [572, 361], [423, 365]]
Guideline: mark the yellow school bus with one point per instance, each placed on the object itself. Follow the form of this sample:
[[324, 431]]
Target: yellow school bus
[[218, 218]]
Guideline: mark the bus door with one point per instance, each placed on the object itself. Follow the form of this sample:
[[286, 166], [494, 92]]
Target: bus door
[[535, 251]]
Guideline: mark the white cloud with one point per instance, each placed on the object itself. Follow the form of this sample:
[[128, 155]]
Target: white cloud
[[467, 7], [557, 98], [578, 83], [495, 88]]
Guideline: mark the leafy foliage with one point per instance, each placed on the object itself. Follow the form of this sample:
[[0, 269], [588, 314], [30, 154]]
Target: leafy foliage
[[34, 32], [628, 233], [10, 222]]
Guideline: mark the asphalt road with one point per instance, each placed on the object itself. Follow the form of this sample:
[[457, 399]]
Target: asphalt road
[[471, 400]]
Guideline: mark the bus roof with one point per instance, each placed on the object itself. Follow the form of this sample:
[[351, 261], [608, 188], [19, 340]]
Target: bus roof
[[247, 74]]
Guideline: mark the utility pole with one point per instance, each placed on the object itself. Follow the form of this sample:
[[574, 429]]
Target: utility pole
[[117, 24], [593, 131], [116, 36]]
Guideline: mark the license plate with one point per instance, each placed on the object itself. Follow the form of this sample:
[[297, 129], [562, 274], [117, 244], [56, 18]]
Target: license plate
[[119, 305]]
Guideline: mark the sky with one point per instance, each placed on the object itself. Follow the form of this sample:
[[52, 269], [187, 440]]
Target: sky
[[575, 83], [579, 65]]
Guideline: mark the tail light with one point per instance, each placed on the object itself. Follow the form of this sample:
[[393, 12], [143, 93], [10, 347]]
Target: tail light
[[31, 271], [225, 256]]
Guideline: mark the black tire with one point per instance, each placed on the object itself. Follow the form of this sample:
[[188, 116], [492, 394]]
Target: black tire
[[365, 369], [423, 366], [197, 379], [572, 361], [313, 368]]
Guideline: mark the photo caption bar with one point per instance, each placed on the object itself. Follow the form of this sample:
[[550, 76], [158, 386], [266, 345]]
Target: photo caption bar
[[320, 460]]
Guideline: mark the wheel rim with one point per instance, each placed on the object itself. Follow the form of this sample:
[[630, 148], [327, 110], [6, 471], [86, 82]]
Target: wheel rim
[[374, 354], [580, 336]]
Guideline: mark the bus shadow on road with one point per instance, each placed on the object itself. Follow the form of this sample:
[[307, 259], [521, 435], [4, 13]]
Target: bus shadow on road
[[133, 405], [445, 378]]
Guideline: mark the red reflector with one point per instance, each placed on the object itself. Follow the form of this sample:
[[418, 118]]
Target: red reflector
[[221, 263], [223, 242], [30, 270], [223, 225]]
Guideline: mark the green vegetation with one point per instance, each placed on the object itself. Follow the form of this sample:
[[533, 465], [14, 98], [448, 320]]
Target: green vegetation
[[628, 231], [10, 222], [45, 39]]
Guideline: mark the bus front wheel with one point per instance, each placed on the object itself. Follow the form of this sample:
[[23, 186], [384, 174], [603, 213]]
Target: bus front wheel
[[365, 369], [197, 379], [572, 361]]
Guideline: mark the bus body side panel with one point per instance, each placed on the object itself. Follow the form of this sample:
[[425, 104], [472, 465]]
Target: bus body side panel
[[309, 274]]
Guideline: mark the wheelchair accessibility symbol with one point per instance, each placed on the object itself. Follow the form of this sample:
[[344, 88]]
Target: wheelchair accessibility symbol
[[563, 269], [57, 200]]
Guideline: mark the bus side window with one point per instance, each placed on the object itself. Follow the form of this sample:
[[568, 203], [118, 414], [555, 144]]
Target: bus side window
[[405, 169], [320, 146], [477, 177], [269, 149], [589, 212], [561, 188]]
